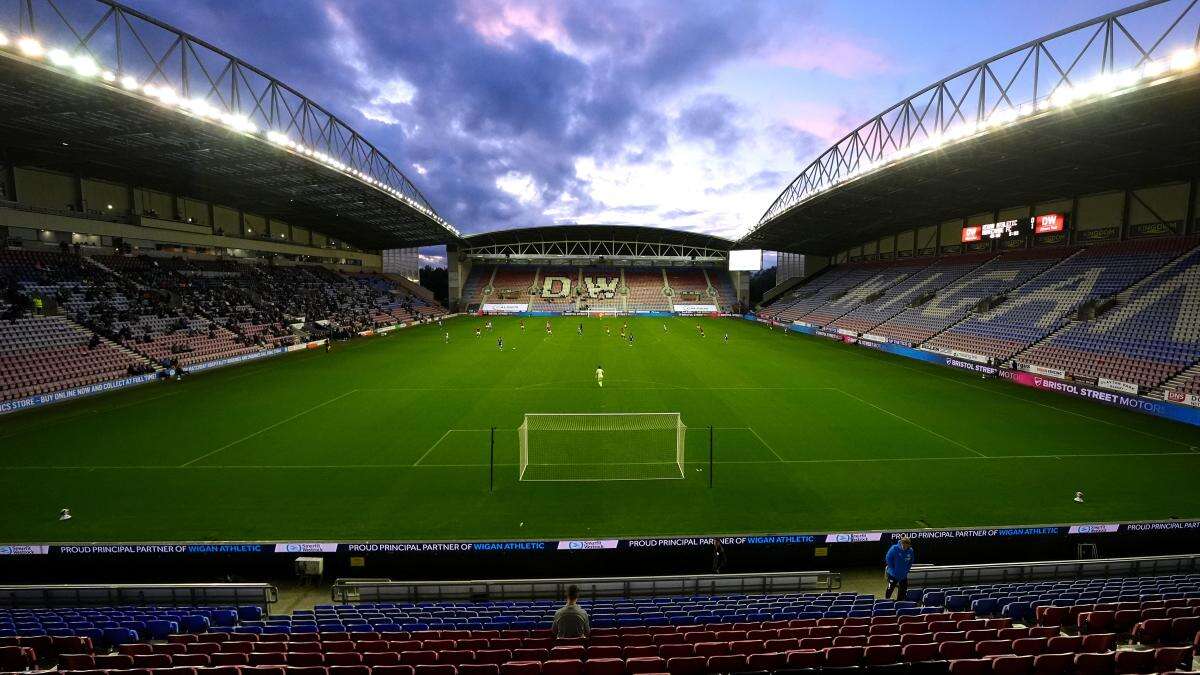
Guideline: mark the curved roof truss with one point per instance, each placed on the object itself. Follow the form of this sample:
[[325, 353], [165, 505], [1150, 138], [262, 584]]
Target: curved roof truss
[[121, 48], [1112, 54]]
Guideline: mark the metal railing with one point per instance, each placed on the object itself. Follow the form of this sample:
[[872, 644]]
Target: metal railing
[[82, 595], [374, 590], [943, 575]]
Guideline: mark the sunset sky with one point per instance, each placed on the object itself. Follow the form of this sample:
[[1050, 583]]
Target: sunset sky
[[691, 115]]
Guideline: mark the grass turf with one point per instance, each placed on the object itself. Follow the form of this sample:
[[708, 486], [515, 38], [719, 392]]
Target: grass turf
[[387, 439]]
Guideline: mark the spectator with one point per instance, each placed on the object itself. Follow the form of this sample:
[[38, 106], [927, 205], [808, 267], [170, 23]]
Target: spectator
[[718, 556], [899, 561], [570, 621]]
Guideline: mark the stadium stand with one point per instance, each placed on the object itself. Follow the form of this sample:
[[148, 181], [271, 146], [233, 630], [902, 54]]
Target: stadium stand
[[556, 304], [113, 316], [1076, 627], [870, 289], [822, 289], [1120, 311], [918, 286], [1044, 303], [1123, 602], [1187, 382], [956, 301], [596, 295], [646, 286], [688, 285], [479, 278], [512, 283], [722, 283], [39, 355], [1151, 333]]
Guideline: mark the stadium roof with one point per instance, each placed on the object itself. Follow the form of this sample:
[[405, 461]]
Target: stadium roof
[[613, 233], [1108, 104], [101, 90]]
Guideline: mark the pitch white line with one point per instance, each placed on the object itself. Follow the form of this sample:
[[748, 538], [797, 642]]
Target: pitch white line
[[266, 429], [765, 444], [435, 444], [919, 426]]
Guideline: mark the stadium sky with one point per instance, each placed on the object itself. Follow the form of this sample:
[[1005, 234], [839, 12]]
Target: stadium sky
[[684, 114]]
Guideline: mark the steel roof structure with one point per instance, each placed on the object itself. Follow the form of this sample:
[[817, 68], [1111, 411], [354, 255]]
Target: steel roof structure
[[1108, 104], [594, 241], [94, 88]]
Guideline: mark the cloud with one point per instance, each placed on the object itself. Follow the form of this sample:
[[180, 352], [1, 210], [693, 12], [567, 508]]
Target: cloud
[[509, 113], [838, 56], [711, 118]]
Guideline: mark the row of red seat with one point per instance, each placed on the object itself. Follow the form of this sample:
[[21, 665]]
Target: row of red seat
[[827, 657], [1087, 663], [955, 617], [799, 638], [1105, 616]]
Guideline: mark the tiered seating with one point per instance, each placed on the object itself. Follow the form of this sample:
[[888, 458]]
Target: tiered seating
[[46, 354], [723, 285], [607, 301], [1187, 382], [843, 633], [646, 289], [477, 280], [556, 304], [512, 283], [926, 645], [829, 286], [932, 279], [44, 267], [688, 285], [1042, 305], [956, 300], [166, 309], [883, 279], [1022, 600], [190, 341], [1151, 334]]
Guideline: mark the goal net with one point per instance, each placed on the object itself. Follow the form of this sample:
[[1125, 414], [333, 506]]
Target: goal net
[[601, 446]]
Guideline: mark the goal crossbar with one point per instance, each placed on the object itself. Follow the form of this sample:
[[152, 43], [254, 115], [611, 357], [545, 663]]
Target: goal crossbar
[[601, 446]]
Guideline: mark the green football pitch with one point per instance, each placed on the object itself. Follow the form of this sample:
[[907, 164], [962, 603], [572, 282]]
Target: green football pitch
[[387, 438]]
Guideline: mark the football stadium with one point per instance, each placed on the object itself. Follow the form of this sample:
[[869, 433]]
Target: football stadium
[[272, 403]]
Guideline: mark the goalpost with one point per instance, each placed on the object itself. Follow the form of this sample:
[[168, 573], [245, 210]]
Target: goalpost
[[601, 446]]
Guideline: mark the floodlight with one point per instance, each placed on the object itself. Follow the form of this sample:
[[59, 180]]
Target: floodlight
[[1183, 59], [85, 65], [31, 47], [59, 57]]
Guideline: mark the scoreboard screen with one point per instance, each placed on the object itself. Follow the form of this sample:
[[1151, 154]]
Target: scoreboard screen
[[1017, 227], [749, 260]]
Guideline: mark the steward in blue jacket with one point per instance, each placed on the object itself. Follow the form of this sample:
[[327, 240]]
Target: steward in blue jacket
[[899, 561]]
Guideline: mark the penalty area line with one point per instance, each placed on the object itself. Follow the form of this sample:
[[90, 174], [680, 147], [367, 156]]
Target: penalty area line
[[902, 418], [266, 429], [435, 444]]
